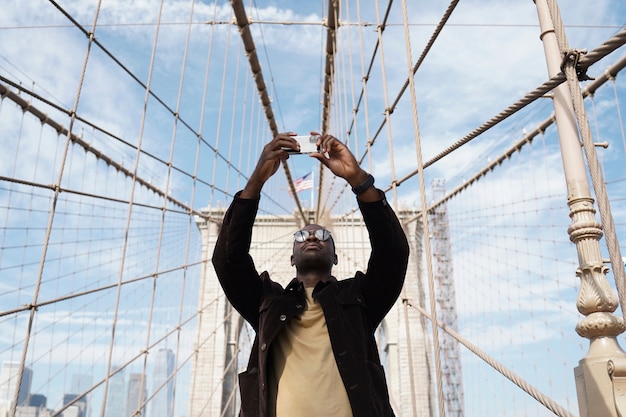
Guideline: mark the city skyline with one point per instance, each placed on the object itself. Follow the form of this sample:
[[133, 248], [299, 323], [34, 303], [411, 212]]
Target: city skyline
[[123, 396]]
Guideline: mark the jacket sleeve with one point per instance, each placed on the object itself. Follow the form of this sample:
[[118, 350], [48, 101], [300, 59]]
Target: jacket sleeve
[[388, 261], [232, 262]]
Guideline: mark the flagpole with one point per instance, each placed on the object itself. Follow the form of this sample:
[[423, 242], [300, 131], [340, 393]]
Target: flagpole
[[312, 188]]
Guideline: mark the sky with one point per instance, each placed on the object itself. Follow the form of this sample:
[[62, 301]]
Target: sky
[[488, 56]]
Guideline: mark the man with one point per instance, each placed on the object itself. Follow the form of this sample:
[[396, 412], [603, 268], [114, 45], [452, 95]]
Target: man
[[314, 353]]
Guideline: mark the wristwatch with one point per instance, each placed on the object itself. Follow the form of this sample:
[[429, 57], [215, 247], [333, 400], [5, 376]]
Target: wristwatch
[[359, 189]]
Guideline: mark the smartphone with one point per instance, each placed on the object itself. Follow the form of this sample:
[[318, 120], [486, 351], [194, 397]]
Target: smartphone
[[308, 144]]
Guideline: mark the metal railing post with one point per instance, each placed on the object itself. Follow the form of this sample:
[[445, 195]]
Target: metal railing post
[[598, 373]]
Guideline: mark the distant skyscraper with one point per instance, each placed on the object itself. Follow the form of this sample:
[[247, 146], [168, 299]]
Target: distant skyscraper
[[8, 384], [137, 394], [79, 408], [37, 400], [32, 411], [80, 384], [162, 404], [116, 395]]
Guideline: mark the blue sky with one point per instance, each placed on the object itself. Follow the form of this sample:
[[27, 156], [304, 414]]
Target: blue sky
[[489, 56]]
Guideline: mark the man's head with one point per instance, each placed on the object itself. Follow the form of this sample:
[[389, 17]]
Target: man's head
[[313, 250]]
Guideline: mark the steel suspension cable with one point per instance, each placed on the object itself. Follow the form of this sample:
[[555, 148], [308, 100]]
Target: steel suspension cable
[[257, 73], [329, 74], [427, 48], [136, 79], [380, 28], [142, 127], [425, 226], [619, 114], [388, 111], [517, 380], [570, 60], [529, 98], [47, 236], [429, 45], [363, 94], [363, 97], [62, 167], [609, 74], [173, 375], [77, 140], [190, 320], [45, 119], [235, 105], [218, 125]]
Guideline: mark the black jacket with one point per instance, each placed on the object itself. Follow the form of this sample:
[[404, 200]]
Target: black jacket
[[353, 307]]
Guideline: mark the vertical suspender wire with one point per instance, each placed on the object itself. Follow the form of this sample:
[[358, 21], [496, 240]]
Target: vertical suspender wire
[[595, 118], [425, 226], [202, 302], [243, 131], [364, 79], [386, 100], [328, 87], [55, 199], [190, 224], [341, 109], [594, 113], [354, 110], [218, 129], [141, 400], [346, 58], [243, 24], [233, 316], [241, 324], [164, 211], [251, 130], [9, 203], [395, 200], [234, 108], [604, 206], [619, 112]]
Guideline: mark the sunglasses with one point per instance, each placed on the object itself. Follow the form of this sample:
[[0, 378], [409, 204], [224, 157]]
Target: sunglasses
[[303, 235]]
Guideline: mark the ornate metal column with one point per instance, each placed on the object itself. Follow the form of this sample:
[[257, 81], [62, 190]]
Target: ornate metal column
[[598, 376]]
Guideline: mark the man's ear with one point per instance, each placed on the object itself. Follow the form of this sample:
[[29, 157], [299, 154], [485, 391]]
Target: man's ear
[[292, 264], [335, 260]]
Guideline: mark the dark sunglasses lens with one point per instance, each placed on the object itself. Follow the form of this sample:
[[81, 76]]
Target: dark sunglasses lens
[[302, 235], [322, 234]]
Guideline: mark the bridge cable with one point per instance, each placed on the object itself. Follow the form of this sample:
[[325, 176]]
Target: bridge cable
[[609, 74], [529, 98], [517, 380], [422, 185], [257, 74], [574, 74], [332, 23]]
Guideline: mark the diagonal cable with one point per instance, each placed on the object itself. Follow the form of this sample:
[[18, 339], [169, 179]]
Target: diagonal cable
[[244, 29]]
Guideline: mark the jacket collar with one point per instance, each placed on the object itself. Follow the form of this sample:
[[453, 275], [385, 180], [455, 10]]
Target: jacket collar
[[298, 286]]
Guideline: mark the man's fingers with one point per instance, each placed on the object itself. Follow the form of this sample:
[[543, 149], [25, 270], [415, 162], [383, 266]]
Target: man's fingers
[[284, 141]]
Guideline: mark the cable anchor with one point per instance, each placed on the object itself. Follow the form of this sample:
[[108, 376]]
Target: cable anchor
[[573, 56]]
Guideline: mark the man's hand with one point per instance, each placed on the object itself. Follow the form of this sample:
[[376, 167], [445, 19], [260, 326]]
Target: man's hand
[[269, 161], [337, 157]]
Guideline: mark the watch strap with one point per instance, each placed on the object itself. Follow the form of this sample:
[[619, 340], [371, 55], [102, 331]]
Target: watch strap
[[359, 189]]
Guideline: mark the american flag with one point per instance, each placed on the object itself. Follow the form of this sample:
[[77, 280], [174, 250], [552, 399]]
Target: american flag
[[303, 183]]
